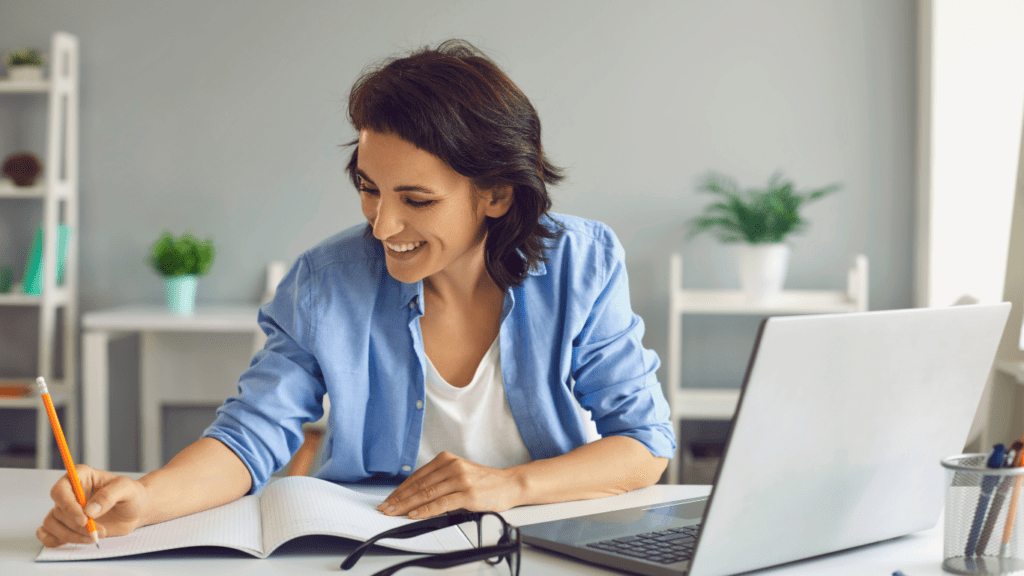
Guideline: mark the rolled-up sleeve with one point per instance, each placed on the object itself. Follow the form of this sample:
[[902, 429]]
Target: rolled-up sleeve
[[615, 375], [283, 387]]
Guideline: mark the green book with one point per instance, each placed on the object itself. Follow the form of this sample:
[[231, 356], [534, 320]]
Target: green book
[[33, 279]]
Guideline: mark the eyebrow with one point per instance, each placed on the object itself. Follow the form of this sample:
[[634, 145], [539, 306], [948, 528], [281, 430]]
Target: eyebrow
[[402, 188]]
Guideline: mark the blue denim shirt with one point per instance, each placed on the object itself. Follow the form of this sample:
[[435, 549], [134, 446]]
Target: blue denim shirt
[[339, 324]]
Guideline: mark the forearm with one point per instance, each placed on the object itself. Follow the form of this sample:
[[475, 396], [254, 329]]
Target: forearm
[[609, 466], [204, 475]]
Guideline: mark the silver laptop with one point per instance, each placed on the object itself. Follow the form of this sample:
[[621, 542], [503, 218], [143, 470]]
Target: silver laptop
[[841, 423]]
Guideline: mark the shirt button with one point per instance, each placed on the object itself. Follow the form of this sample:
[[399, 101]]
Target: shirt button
[[412, 304], [419, 404], [406, 468]]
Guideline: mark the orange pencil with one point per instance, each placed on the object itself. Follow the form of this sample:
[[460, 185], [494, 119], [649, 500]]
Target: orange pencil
[[65, 454], [1004, 548]]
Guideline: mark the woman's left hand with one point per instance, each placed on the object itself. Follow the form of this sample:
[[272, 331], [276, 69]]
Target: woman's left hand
[[448, 483]]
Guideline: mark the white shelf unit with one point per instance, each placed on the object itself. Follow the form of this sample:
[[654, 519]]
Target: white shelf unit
[[689, 403], [58, 192]]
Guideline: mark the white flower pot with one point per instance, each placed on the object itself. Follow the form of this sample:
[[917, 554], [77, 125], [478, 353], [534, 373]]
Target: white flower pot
[[25, 73], [763, 270]]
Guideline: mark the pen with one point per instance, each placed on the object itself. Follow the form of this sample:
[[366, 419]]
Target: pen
[[65, 454], [1012, 459], [988, 484], [1004, 548]]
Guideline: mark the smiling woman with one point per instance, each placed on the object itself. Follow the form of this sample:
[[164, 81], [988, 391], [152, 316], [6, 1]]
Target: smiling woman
[[458, 106], [430, 218], [466, 337]]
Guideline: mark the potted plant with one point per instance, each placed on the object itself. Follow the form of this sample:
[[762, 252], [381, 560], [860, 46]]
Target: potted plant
[[181, 261], [25, 65], [761, 220]]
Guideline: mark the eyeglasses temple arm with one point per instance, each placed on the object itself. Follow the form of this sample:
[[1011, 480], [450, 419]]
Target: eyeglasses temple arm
[[452, 558], [409, 531]]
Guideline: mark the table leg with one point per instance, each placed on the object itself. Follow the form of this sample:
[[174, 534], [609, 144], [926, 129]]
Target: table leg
[[151, 418], [95, 398]]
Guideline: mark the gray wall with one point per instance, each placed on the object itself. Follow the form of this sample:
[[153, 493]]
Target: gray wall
[[225, 118]]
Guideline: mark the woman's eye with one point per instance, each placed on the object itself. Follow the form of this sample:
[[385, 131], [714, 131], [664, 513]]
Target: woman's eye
[[418, 204], [370, 191]]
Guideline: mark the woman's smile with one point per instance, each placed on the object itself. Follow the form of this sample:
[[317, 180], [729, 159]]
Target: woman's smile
[[404, 246], [402, 250]]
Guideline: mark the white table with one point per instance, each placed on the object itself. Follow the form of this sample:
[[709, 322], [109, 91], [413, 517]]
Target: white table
[[25, 501], [184, 360]]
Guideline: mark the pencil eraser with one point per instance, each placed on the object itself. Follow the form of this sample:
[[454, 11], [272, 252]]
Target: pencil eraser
[[41, 386]]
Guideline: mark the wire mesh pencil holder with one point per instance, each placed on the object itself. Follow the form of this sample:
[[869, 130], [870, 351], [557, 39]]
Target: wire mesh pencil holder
[[984, 523]]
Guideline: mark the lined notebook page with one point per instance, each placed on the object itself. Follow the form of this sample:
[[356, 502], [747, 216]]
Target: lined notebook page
[[301, 505], [234, 525]]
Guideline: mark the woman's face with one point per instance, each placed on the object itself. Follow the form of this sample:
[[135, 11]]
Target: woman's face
[[429, 217]]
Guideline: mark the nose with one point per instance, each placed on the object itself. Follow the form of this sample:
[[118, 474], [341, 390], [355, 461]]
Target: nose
[[388, 221]]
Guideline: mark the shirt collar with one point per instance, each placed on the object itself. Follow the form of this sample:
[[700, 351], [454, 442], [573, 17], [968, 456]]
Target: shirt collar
[[411, 296]]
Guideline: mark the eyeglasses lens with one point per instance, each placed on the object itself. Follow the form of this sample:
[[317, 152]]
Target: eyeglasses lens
[[491, 531]]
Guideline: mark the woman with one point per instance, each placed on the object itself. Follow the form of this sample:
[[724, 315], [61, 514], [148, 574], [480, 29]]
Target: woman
[[456, 334]]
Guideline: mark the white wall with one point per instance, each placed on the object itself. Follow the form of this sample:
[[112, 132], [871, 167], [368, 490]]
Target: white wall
[[225, 117], [971, 116]]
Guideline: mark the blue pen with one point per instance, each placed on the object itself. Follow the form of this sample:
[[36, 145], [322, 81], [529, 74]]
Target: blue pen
[[988, 485], [997, 500]]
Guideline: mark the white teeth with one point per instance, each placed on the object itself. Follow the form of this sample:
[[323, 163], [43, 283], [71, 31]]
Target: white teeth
[[404, 247]]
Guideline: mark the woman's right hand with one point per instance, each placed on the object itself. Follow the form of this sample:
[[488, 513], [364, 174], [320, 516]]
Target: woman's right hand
[[116, 504]]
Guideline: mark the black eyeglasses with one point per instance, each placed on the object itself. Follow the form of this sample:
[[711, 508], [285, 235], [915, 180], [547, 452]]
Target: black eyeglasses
[[508, 546]]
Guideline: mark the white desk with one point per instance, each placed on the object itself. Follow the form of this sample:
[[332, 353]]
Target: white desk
[[25, 501], [184, 360]]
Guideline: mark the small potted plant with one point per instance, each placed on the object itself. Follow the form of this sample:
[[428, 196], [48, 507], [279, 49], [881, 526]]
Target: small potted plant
[[181, 261], [761, 220], [25, 65]]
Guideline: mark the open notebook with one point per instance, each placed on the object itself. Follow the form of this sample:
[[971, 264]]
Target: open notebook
[[286, 509]]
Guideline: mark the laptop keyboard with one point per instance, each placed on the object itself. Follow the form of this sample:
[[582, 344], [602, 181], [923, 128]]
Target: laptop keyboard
[[663, 546]]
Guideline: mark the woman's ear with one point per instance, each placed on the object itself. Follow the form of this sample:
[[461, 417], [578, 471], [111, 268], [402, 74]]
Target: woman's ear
[[499, 200]]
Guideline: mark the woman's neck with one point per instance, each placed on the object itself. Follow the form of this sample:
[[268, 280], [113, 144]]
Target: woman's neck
[[463, 282]]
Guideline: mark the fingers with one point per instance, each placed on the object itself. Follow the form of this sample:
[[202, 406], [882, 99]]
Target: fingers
[[449, 483], [116, 491], [114, 502], [55, 532], [436, 499], [430, 474], [65, 502]]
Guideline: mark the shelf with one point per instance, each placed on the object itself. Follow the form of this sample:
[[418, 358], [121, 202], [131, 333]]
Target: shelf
[[9, 190], [56, 190], [12, 87], [17, 460], [57, 394], [688, 403], [61, 298], [726, 302], [705, 404]]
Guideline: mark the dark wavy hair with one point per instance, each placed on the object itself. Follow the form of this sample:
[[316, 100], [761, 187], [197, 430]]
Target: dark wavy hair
[[455, 103]]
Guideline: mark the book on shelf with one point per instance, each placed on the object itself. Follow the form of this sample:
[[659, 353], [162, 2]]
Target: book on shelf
[[16, 388], [285, 509], [33, 280]]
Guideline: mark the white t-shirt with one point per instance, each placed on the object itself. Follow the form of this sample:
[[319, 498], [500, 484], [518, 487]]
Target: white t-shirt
[[474, 422]]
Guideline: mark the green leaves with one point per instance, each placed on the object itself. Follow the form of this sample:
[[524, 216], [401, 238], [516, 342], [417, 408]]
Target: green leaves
[[26, 57], [755, 216], [172, 256]]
